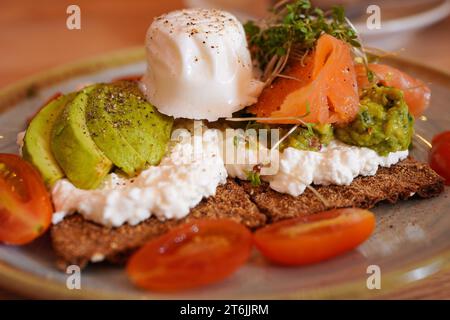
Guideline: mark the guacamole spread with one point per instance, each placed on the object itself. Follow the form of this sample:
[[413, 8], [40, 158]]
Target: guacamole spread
[[382, 124], [310, 138]]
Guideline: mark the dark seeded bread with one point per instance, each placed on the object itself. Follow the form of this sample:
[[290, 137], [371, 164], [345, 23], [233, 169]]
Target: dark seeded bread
[[76, 240], [401, 181]]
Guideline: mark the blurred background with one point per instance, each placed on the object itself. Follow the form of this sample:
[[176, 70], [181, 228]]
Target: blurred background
[[34, 36]]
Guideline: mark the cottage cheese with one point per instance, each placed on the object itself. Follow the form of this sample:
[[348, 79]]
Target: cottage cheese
[[190, 171], [336, 164]]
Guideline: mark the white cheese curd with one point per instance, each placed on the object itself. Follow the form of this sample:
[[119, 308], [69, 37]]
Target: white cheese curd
[[185, 176], [245, 155], [336, 164], [195, 166], [199, 65]]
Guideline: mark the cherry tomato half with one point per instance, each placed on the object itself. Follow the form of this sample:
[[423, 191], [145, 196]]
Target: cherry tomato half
[[190, 255], [315, 237], [25, 206], [441, 137], [439, 158]]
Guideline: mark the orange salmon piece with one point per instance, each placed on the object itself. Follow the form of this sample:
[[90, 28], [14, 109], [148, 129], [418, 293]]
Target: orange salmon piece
[[325, 84], [417, 94]]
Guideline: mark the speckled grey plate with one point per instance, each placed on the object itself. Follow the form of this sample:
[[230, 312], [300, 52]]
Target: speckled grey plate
[[411, 242]]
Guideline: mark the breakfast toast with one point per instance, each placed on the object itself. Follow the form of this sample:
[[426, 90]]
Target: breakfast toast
[[401, 181], [78, 241]]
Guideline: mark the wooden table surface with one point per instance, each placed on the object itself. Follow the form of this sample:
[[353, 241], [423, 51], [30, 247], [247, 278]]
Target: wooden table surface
[[34, 38]]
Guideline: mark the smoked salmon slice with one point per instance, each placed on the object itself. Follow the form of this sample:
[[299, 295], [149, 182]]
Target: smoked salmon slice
[[324, 87], [417, 94]]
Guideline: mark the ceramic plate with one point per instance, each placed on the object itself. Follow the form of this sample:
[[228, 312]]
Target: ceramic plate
[[411, 241]]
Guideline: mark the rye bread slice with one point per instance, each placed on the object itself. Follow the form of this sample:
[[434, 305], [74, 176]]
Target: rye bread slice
[[78, 241], [401, 181]]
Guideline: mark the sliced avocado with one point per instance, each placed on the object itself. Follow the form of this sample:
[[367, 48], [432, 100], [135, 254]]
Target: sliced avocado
[[82, 161], [106, 135], [146, 130], [36, 147]]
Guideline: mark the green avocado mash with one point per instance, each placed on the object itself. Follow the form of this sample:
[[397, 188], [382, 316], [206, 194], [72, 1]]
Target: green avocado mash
[[309, 138], [382, 124]]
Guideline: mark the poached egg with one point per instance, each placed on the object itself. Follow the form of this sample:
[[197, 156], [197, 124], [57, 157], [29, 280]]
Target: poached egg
[[199, 65]]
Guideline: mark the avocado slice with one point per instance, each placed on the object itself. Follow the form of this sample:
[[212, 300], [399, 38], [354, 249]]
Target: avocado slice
[[103, 129], [82, 161], [145, 129], [36, 147]]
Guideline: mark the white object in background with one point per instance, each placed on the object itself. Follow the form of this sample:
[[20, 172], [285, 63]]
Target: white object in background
[[395, 33]]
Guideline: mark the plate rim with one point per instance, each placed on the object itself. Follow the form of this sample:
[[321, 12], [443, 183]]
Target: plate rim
[[28, 284]]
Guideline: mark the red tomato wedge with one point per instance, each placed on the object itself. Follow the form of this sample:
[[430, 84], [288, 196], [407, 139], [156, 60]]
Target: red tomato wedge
[[25, 206], [441, 137], [193, 254], [417, 93], [314, 238], [325, 85], [439, 157]]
